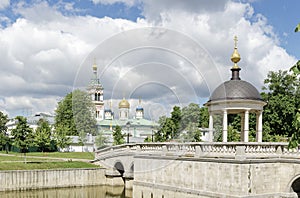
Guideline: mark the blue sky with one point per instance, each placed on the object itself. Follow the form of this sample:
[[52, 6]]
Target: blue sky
[[47, 48], [283, 15]]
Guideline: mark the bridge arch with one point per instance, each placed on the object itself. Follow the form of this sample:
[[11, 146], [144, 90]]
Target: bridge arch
[[119, 167], [294, 185]]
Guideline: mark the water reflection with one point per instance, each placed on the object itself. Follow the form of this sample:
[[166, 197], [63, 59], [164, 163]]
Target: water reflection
[[90, 192]]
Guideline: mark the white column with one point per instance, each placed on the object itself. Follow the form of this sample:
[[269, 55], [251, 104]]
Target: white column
[[225, 124], [246, 126], [242, 126], [211, 127], [259, 126]]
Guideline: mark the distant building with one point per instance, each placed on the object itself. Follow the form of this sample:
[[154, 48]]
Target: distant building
[[135, 129], [31, 121], [76, 146]]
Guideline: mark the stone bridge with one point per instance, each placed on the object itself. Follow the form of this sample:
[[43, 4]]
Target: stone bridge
[[205, 169]]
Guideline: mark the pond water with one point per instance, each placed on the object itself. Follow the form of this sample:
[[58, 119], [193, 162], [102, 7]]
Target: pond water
[[75, 192]]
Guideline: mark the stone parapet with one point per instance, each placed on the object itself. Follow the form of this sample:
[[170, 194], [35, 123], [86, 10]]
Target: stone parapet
[[36, 179]]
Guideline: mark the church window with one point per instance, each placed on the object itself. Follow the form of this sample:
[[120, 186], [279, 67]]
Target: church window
[[98, 96]]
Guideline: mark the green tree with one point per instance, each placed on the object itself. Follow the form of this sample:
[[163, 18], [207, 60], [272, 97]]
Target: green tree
[[232, 135], [166, 131], [204, 117], [176, 119], [282, 94], [82, 139], [190, 114], [22, 135], [193, 133], [295, 140], [60, 137], [83, 113], [297, 29], [75, 113], [100, 140], [118, 136], [64, 121], [4, 139], [148, 139], [42, 137]]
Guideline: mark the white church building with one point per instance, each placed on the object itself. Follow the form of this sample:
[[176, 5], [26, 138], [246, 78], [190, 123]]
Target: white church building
[[135, 128]]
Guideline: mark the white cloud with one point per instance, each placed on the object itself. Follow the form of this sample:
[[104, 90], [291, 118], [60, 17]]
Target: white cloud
[[4, 4], [44, 53], [127, 2]]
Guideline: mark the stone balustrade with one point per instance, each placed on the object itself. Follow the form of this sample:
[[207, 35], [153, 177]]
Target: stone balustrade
[[235, 150]]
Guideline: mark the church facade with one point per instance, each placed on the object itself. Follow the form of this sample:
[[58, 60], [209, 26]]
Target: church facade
[[134, 129]]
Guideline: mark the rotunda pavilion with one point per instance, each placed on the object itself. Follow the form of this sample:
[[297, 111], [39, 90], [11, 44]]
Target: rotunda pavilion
[[236, 97]]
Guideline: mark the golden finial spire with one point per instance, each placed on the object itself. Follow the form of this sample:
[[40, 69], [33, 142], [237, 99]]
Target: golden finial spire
[[95, 66], [110, 103], [140, 101], [235, 57]]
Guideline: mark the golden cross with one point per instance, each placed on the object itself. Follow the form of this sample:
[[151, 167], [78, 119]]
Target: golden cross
[[235, 41]]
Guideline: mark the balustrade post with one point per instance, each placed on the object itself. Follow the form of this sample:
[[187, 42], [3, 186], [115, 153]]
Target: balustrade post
[[138, 148], [198, 151], [164, 150], [279, 150], [240, 153]]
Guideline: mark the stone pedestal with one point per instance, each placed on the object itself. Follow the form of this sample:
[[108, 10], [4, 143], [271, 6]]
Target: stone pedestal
[[113, 178]]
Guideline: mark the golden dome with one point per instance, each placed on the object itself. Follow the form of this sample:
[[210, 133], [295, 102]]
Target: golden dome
[[124, 104]]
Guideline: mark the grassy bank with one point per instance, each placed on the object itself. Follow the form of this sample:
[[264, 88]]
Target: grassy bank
[[38, 160], [21, 158], [74, 155], [44, 165]]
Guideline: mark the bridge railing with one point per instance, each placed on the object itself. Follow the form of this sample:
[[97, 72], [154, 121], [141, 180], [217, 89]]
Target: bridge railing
[[116, 150], [237, 150]]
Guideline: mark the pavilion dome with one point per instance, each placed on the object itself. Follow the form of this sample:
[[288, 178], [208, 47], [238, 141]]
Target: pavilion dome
[[235, 89], [124, 104]]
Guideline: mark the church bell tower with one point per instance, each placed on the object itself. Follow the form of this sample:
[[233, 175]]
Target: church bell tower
[[95, 90]]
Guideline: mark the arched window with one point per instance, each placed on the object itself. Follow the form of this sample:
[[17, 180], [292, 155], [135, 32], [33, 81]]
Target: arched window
[[98, 96], [95, 96]]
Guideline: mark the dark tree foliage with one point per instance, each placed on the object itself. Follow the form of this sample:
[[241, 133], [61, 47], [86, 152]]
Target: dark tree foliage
[[118, 136], [42, 137], [184, 124], [190, 113], [297, 29], [166, 131], [282, 94], [83, 112], [64, 121], [101, 140], [193, 133], [204, 117], [23, 137], [4, 139], [75, 114], [176, 118], [295, 140]]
